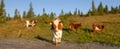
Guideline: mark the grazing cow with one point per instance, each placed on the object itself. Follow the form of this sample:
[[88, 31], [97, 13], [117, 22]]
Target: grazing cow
[[31, 23], [56, 27], [97, 27], [74, 26]]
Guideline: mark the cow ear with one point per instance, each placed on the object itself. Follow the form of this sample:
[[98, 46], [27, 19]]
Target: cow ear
[[61, 22], [50, 22]]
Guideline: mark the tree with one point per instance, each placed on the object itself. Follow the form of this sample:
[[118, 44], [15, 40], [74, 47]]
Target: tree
[[106, 9], [75, 12], [38, 15], [116, 10], [16, 14], [8, 17], [119, 8], [89, 13], [93, 6], [62, 13], [2, 10], [52, 15], [81, 13], [100, 9], [30, 13], [19, 14], [112, 10], [44, 13], [69, 13], [24, 15], [78, 12], [94, 11]]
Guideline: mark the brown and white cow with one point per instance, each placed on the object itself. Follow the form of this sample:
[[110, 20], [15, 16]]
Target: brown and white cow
[[97, 27], [74, 26], [31, 23], [56, 27]]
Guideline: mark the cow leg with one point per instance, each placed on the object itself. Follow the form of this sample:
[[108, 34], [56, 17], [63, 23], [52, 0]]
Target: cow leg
[[54, 40], [54, 37], [58, 41], [94, 31], [58, 38], [27, 25], [33, 25]]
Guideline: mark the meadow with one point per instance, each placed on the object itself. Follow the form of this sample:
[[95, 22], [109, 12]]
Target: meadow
[[109, 35]]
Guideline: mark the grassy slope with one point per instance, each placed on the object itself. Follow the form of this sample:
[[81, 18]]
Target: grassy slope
[[110, 34]]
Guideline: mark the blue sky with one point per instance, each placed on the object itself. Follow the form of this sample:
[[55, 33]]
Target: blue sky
[[55, 5]]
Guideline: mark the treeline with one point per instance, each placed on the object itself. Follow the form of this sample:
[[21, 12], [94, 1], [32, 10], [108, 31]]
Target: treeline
[[100, 10]]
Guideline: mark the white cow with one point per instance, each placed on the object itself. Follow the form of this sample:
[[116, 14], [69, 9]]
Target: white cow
[[56, 27], [30, 23]]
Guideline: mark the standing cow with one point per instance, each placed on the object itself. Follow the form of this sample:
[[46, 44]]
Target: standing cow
[[56, 27], [97, 27], [74, 26], [31, 23]]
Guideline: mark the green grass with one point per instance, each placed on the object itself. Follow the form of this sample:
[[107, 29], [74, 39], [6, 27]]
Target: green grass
[[110, 34]]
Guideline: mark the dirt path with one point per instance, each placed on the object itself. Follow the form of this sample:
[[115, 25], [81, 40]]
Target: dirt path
[[38, 44]]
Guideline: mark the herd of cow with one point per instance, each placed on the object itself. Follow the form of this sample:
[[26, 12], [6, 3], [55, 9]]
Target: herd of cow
[[57, 25]]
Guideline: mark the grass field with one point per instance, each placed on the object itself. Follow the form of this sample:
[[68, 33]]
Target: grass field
[[109, 35]]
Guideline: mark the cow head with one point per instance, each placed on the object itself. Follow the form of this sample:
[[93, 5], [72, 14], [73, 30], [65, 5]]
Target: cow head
[[56, 24]]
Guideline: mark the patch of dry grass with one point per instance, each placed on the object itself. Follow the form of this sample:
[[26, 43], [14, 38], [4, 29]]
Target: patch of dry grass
[[110, 34]]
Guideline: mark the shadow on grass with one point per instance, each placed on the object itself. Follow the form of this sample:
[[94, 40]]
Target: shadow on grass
[[66, 29], [87, 30], [43, 39]]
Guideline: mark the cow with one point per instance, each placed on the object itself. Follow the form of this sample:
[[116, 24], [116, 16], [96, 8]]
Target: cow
[[97, 27], [74, 26], [31, 23], [56, 27]]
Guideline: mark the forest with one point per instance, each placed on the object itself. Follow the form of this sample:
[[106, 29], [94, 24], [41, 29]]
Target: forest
[[99, 11]]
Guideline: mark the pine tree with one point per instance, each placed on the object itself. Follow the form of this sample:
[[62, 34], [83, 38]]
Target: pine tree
[[100, 9], [78, 12], [69, 13], [30, 13], [116, 10], [81, 13], [94, 11], [16, 14], [2, 10], [75, 12], [93, 6], [52, 15], [8, 17], [24, 15], [44, 13], [106, 9], [62, 13], [89, 13], [19, 15], [38, 15], [112, 10], [119, 8]]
